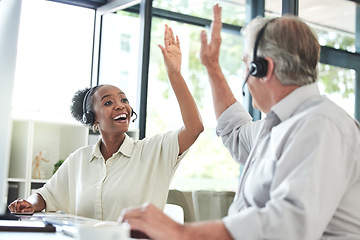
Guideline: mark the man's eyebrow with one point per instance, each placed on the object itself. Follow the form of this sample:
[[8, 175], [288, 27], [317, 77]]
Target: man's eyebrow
[[108, 95]]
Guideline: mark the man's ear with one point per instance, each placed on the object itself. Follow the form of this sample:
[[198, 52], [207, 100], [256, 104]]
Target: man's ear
[[270, 69]]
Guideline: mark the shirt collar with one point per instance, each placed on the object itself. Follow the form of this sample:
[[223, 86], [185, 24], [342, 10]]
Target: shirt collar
[[126, 148], [286, 107]]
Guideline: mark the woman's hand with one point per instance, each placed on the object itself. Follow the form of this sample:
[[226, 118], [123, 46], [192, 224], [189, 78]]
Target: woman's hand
[[21, 206], [171, 51]]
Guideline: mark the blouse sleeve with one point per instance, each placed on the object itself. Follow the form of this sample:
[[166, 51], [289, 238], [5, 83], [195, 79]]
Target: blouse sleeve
[[55, 192]]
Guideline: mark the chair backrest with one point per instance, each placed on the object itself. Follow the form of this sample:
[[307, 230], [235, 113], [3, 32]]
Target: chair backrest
[[184, 200], [211, 205], [175, 212]]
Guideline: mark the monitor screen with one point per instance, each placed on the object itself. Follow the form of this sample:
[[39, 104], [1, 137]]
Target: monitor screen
[[9, 29]]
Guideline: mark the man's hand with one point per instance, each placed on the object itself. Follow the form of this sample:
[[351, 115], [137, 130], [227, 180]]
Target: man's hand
[[152, 222], [210, 53]]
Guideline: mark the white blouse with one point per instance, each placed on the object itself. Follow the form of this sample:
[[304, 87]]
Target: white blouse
[[140, 171]]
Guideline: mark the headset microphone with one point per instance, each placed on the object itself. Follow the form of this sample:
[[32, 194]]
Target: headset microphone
[[247, 77], [132, 113]]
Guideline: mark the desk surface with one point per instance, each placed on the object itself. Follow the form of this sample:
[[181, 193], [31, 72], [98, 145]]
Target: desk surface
[[37, 236], [34, 236], [64, 232]]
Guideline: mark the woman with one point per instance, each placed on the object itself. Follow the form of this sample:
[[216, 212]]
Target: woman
[[99, 181]]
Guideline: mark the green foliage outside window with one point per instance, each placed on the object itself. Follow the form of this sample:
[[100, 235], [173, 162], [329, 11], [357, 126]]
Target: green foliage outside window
[[337, 80]]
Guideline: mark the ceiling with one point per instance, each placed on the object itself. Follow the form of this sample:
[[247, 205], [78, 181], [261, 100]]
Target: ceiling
[[336, 14], [84, 3]]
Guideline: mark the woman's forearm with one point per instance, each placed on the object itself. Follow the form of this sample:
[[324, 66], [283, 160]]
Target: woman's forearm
[[189, 111], [37, 201], [193, 125]]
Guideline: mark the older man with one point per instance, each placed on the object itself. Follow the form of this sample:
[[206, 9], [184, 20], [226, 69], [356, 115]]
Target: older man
[[301, 177]]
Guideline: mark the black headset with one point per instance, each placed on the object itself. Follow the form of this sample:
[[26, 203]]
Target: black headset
[[258, 66], [89, 116]]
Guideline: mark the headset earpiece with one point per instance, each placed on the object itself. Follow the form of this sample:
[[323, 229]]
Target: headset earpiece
[[259, 64], [258, 67], [88, 116]]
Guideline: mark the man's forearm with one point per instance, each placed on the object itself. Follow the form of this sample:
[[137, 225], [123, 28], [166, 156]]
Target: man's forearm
[[221, 92], [207, 230]]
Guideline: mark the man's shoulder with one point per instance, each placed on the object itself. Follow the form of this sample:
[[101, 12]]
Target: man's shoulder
[[327, 111], [330, 110]]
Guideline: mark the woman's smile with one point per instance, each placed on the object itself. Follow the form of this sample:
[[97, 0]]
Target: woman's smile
[[121, 118]]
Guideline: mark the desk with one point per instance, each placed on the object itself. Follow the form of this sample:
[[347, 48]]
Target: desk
[[37, 236], [34, 236], [63, 232]]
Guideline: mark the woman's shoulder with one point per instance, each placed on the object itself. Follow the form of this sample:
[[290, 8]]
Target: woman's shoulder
[[160, 147], [158, 138], [84, 149], [82, 152]]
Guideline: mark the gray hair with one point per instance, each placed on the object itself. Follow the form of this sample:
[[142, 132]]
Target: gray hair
[[291, 44]]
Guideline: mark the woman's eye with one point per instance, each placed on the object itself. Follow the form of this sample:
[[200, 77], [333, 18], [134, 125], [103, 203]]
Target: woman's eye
[[108, 103], [125, 100]]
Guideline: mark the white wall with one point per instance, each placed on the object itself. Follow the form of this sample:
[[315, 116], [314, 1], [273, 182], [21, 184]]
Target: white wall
[[9, 29]]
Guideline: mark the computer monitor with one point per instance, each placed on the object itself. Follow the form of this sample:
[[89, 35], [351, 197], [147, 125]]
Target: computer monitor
[[9, 29]]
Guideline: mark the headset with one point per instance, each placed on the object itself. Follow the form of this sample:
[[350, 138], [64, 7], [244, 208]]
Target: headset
[[258, 66], [89, 116]]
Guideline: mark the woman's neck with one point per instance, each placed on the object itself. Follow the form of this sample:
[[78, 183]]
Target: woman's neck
[[110, 145]]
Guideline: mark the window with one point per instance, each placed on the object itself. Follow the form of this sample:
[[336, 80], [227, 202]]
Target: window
[[125, 42], [338, 84], [334, 23], [54, 59], [119, 53], [333, 20], [233, 10], [208, 165]]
